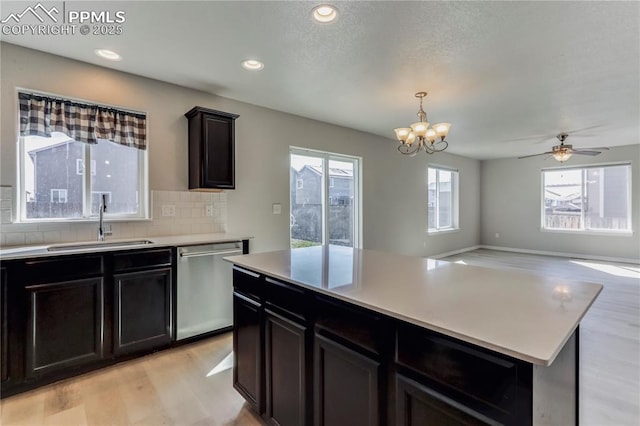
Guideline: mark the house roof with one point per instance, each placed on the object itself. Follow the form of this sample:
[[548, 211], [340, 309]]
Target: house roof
[[333, 171]]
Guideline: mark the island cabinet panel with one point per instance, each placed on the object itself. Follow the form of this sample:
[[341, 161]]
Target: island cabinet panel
[[365, 330], [4, 330], [64, 326], [248, 352], [142, 310], [287, 371], [493, 385], [417, 405], [346, 388]]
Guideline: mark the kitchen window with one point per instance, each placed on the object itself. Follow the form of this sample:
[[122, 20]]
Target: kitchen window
[[70, 153], [583, 199], [442, 199], [325, 198]]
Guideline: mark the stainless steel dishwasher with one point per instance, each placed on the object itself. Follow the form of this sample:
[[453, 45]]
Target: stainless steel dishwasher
[[205, 288]]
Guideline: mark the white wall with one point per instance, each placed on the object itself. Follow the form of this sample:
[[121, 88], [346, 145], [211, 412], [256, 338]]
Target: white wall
[[511, 206], [394, 186]]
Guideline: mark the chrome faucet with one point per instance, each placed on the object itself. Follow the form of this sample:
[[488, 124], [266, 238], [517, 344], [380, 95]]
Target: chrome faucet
[[103, 208]]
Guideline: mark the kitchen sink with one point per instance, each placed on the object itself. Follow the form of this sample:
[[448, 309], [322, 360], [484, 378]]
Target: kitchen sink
[[95, 245]]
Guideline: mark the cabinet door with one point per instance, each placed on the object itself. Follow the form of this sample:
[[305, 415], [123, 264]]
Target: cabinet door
[[4, 323], [142, 310], [218, 155], [65, 325], [287, 373], [247, 350], [346, 386], [417, 405]]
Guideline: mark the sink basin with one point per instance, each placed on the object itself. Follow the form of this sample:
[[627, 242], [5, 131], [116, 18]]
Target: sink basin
[[94, 245]]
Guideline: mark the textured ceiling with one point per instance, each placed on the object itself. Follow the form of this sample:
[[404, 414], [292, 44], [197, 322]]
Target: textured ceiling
[[506, 74]]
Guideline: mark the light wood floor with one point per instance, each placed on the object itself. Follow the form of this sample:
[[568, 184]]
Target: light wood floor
[[180, 386], [192, 386]]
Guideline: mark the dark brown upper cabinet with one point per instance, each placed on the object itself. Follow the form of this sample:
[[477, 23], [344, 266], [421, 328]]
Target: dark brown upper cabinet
[[211, 149]]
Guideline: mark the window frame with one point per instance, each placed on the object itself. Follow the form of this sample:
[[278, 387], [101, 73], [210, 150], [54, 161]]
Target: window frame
[[588, 231], [144, 211], [455, 199], [357, 188]]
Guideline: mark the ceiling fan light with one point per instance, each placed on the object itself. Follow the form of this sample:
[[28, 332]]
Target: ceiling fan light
[[420, 128], [402, 133], [562, 155], [442, 129]]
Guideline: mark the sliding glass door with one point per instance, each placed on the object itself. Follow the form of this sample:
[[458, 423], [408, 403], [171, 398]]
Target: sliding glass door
[[324, 190]]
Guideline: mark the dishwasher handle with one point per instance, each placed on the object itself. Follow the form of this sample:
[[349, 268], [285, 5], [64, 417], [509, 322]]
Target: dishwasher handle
[[209, 253]]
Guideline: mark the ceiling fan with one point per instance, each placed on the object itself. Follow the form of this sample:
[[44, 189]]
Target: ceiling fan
[[563, 152]]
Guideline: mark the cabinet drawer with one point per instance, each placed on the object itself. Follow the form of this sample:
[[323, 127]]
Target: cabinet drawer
[[354, 325], [248, 283], [418, 405], [129, 260], [286, 297], [487, 382], [61, 269]]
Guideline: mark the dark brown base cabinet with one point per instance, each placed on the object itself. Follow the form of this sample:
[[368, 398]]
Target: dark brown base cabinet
[[417, 405], [72, 314], [304, 358], [4, 335], [341, 371], [65, 325], [286, 370], [142, 310], [247, 350]]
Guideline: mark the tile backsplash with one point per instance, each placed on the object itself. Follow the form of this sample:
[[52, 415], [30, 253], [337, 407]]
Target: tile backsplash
[[192, 213]]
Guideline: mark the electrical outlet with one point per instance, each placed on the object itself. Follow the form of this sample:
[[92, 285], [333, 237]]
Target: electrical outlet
[[497, 235], [208, 210], [276, 208], [168, 210]]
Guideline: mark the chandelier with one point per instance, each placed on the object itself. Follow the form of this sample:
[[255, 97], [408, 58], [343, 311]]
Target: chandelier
[[422, 137]]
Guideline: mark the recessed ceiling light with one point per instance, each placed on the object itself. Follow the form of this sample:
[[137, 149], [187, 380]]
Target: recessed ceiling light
[[252, 64], [325, 13], [108, 54]]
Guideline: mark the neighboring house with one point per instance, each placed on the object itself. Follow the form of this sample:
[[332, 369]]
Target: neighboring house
[[59, 171], [444, 207], [601, 202], [308, 185], [306, 203]]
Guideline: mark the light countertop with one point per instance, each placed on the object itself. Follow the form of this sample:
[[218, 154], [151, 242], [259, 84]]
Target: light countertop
[[522, 315], [111, 244]]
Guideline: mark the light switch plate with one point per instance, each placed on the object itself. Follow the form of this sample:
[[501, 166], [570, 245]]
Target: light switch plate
[[276, 208], [208, 210]]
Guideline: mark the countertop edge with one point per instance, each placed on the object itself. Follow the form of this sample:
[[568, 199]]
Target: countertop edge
[[40, 251], [542, 361]]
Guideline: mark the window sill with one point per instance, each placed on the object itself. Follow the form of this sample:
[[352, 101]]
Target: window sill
[[590, 232], [442, 231], [83, 220]]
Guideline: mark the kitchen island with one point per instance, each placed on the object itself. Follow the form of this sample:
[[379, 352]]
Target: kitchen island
[[332, 335]]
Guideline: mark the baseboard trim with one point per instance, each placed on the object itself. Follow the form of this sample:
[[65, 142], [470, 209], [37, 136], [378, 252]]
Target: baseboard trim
[[555, 253], [451, 253]]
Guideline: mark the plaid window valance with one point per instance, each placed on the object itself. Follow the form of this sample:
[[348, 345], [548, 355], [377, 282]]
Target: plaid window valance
[[41, 115]]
